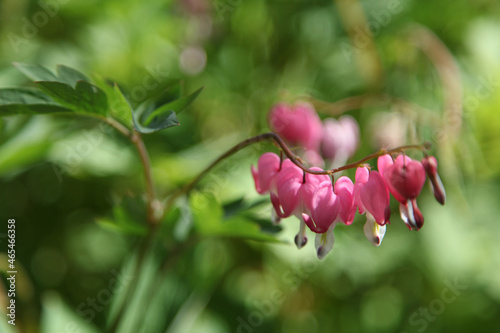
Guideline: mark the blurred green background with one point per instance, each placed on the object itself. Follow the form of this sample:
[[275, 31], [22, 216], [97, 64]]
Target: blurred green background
[[59, 175]]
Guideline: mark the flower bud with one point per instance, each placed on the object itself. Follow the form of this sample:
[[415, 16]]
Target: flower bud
[[430, 166]]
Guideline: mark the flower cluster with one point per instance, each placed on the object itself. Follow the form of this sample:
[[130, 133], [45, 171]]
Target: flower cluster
[[321, 203], [332, 141]]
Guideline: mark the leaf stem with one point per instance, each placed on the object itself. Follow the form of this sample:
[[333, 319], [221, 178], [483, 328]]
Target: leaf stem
[[135, 137], [148, 175]]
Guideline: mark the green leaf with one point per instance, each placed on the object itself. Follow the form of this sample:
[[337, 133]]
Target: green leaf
[[93, 99], [142, 286], [65, 74], [167, 120], [175, 106], [60, 92], [35, 72], [149, 117], [126, 218], [208, 220], [70, 88], [27, 101], [69, 75], [122, 224], [86, 97], [118, 105]]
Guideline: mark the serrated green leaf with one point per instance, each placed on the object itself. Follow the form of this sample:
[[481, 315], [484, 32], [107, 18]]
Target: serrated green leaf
[[65, 74], [60, 92], [86, 97], [70, 88], [93, 99], [175, 106], [70, 75], [23, 96], [35, 72], [118, 105], [27, 101]]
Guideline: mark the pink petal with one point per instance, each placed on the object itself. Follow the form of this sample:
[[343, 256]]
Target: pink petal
[[289, 195], [362, 175], [269, 165], [344, 188], [325, 207], [309, 187], [375, 197], [406, 177], [384, 162]]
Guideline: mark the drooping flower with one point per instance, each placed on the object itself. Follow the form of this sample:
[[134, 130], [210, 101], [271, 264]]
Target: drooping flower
[[430, 165], [371, 196], [330, 205], [264, 176], [298, 124], [404, 178], [294, 196], [340, 139], [324, 210], [344, 188]]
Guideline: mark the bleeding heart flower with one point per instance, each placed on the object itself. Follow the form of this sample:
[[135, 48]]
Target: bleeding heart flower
[[298, 124], [405, 179], [294, 196], [330, 205], [372, 197], [340, 139], [264, 176], [344, 188]]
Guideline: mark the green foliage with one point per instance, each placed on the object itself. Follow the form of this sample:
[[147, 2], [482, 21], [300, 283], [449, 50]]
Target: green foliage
[[71, 90], [152, 116], [58, 317], [208, 221], [201, 275], [122, 222], [27, 101], [85, 97]]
